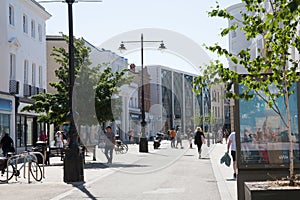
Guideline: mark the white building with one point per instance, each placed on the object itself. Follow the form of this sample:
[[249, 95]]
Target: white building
[[23, 67], [237, 38]]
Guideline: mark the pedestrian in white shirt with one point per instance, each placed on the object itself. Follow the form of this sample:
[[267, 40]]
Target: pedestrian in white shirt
[[232, 146]]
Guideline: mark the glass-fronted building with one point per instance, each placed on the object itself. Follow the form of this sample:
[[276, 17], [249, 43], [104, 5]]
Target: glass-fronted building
[[174, 101]]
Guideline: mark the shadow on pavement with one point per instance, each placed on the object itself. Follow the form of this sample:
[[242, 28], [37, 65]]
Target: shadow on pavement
[[95, 165], [189, 155], [83, 189], [119, 165], [205, 158]]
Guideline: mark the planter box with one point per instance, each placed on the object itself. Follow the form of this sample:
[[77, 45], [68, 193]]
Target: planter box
[[269, 190]]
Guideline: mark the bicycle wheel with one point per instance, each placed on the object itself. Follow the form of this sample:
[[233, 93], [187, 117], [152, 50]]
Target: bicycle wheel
[[117, 149], [126, 146], [36, 171], [7, 173], [123, 148]]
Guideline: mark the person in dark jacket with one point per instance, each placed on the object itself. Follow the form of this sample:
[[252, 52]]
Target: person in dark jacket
[[198, 139], [6, 143]]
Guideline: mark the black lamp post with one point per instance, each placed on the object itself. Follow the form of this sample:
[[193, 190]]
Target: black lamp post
[[143, 145], [73, 161]]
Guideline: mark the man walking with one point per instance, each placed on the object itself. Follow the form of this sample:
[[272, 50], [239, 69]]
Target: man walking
[[232, 144], [6, 143], [172, 137], [110, 141]]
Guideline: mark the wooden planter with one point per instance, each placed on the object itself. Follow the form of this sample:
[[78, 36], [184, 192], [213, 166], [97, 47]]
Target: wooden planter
[[270, 190]]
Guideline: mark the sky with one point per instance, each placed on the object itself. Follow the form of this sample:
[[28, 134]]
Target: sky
[[99, 22]]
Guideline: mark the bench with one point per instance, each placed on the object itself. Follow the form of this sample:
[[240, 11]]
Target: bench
[[54, 152], [60, 152], [89, 148]]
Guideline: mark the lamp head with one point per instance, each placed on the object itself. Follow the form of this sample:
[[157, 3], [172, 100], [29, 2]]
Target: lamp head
[[162, 46], [122, 47]]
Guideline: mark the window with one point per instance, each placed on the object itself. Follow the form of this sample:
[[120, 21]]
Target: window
[[12, 66], [11, 15], [33, 74], [25, 24], [5, 123], [26, 71], [32, 28], [40, 76], [233, 33], [40, 32]]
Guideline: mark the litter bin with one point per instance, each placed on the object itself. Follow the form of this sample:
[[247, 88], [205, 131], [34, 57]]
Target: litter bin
[[42, 148]]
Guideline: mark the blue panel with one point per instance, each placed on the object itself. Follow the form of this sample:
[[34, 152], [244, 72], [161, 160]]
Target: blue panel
[[263, 135], [5, 104]]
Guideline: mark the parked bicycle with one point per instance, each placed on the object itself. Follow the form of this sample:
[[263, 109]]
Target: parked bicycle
[[14, 165], [121, 147]]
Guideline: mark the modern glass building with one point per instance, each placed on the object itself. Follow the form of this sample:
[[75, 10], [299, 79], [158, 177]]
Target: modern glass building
[[172, 101]]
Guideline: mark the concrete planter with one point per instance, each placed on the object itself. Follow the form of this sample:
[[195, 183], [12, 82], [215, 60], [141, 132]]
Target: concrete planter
[[270, 190]]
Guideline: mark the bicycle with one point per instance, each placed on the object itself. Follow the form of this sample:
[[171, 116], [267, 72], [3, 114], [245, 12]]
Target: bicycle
[[121, 147], [27, 159]]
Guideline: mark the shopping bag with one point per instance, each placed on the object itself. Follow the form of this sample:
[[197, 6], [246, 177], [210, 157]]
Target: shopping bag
[[226, 159]]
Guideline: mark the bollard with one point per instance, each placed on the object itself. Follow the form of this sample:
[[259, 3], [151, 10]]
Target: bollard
[[208, 140], [94, 153]]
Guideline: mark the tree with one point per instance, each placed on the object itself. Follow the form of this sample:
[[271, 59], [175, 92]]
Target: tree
[[107, 103], [271, 74], [53, 108]]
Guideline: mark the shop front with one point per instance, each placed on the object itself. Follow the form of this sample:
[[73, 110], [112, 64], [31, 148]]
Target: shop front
[[6, 114], [135, 125], [27, 129]]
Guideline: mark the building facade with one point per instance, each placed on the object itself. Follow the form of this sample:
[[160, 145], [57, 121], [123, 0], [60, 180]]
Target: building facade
[[172, 101], [23, 67]]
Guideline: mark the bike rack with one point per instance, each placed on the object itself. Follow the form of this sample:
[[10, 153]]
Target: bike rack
[[24, 156], [43, 157]]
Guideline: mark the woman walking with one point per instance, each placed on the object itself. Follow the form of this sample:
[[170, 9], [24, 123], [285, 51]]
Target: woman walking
[[199, 138]]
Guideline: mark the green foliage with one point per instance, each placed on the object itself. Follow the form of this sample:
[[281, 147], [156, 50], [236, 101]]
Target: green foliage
[[53, 108], [278, 29], [92, 89], [107, 103], [271, 74]]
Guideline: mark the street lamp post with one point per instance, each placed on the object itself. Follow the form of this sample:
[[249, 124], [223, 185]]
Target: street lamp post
[[143, 145], [73, 161]]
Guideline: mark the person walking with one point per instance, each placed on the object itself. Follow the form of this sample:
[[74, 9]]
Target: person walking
[[7, 144], [232, 146], [190, 137], [199, 138], [178, 137], [172, 137], [43, 137], [59, 139], [110, 141], [226, 135], [220, 136]]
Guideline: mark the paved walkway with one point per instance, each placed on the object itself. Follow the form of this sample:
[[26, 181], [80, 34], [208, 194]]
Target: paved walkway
[[53, 187]]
